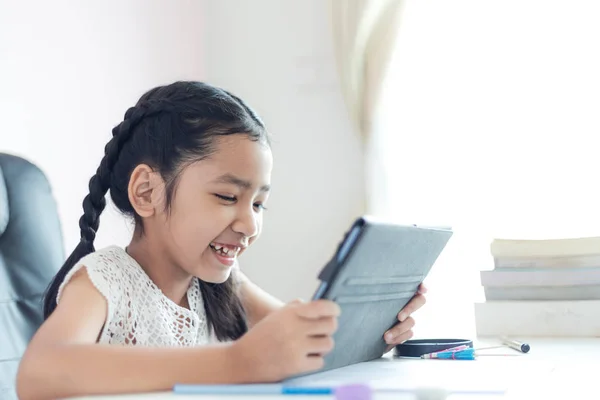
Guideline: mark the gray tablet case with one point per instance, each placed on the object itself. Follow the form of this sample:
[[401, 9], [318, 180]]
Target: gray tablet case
[[374, 273]]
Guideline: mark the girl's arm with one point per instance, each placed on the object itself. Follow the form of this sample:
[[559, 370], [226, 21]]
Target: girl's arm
[[63, 359], [257, 303]]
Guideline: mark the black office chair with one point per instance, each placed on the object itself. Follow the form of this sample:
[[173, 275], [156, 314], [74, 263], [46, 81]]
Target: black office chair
[[31, 251]]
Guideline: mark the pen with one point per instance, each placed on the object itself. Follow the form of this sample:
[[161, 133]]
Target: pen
[[256, 389], [515, 344], [458, 348], [467, 354]]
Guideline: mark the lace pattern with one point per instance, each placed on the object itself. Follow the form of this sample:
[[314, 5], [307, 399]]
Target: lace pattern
[[138, 311]]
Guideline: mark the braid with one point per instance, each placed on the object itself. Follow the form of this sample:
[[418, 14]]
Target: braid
[[95, 201]]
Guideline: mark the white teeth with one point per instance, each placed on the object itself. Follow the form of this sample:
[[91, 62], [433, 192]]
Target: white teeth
[[230, 252]]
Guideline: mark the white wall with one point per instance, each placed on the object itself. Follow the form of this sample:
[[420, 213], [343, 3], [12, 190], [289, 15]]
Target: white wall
[[278, 56], [68, 72]]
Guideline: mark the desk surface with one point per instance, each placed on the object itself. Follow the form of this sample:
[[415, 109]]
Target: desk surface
[[553, 367]]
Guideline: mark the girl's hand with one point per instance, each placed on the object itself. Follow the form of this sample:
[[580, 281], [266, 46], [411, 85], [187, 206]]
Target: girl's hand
[[402, 331], [289, 341]]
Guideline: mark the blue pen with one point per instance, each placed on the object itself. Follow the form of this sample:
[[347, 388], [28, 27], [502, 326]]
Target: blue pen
[[257, 389], [467, 354]]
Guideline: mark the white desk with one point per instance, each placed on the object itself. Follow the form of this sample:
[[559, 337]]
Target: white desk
[[554, 368]]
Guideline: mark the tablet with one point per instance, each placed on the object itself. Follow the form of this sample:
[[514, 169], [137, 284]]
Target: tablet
[[374, 273]]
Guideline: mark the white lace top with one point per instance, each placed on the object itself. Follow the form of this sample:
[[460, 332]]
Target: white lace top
[[138, 311]]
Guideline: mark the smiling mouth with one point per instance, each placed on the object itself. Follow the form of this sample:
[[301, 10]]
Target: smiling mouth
[[225, 250]]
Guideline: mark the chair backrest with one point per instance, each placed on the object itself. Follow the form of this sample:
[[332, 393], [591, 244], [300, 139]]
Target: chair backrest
[[31, 251]]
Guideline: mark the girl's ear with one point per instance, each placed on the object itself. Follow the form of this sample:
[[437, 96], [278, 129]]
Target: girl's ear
[[145, 191]]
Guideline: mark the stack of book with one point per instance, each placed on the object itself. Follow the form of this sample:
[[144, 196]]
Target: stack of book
[[541, 288]]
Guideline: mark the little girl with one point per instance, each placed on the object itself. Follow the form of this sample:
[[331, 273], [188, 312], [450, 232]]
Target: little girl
[[191, 165]]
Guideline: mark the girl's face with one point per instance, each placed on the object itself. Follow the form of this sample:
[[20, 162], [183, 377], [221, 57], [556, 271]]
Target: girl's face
[[217, 208]]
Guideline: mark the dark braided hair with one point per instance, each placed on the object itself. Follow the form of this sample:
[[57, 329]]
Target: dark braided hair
[[170, 127]]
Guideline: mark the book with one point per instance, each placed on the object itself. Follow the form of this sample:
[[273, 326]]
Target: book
[[585, 261], [541, 277], [538, 318], [532, 293], [545, 247]]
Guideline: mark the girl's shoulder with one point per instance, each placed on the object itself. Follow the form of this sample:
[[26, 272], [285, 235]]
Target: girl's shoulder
[[110, 271], [110, 260]]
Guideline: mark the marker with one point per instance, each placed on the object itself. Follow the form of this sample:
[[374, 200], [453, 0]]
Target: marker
[[515, 344]]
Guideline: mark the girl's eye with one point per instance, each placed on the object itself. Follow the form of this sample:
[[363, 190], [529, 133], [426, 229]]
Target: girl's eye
[[226, 198], [260, 207]]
